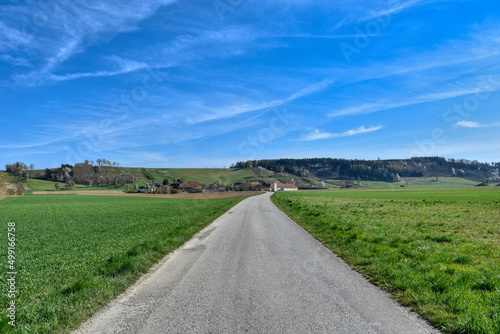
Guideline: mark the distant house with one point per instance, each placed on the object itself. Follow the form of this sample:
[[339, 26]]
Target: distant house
[[283, 187], [215, 187], [254, 185], [189, 186]]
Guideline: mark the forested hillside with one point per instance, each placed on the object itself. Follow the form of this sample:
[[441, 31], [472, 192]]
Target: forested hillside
[[379, 170]]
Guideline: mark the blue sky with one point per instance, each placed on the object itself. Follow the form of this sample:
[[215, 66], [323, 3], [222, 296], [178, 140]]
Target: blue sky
[[165, 83]]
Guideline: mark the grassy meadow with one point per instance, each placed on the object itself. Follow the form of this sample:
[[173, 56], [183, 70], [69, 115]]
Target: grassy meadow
[[423, 182], [76, 253], [204, 175], [43, 185], [200, 175], [437, 251]]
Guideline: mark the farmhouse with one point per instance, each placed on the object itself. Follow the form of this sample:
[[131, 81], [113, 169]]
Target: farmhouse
[[283, 187]]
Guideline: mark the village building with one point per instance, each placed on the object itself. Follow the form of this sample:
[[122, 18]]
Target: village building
[[189, 186]]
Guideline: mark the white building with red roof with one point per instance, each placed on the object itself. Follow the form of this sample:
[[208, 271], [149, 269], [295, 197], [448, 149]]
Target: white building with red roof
[[283, 187]]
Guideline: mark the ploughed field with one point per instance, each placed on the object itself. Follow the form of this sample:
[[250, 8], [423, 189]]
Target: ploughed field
[[73, 254], [437, 251]]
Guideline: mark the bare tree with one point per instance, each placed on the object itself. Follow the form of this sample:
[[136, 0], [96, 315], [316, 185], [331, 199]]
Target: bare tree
[[260, 171], [83, 172]]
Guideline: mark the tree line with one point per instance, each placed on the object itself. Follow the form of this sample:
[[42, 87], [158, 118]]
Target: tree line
[[88, 173]]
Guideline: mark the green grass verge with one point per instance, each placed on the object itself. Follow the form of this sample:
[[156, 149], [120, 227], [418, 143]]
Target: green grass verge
[[437, 251], [75, 253]]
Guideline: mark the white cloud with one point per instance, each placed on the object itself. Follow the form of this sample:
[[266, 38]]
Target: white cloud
[[471, 124], [468, 124], [317, 134]]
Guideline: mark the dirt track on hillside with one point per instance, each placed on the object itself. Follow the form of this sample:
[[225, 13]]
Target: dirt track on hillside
[[237, 194]]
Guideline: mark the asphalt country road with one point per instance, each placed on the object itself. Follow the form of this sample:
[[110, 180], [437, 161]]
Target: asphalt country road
[[254, 270]]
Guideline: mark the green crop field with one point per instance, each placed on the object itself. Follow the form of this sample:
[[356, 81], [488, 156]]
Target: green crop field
[[437, 251], [42, 185], [200, 175], [75, 253]]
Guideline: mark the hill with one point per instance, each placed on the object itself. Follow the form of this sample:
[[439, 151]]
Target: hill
[[380, 170], [87, 176], [305, 173], [199, 175]]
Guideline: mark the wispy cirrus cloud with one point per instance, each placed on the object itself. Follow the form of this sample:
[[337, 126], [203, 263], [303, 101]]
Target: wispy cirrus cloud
[[123, 66], [35, 144], [473, 87], [395, 7], [317, 134], [67, 30], [361, 11], [221, 80], [180, 51], [457, 67], [236, 110]]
